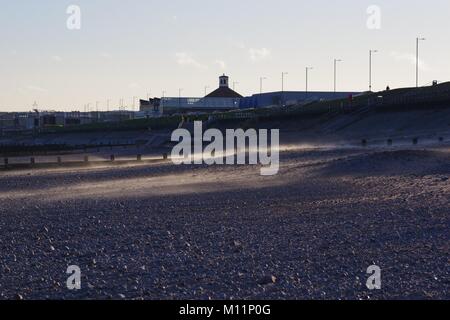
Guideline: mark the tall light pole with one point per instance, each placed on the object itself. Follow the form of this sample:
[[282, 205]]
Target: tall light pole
[[370, 67], [282, 87], [161, 104], [121, 104], [282, 80], [134, 103], [261, 84], [307, 70], [335, 72], [417, 60]]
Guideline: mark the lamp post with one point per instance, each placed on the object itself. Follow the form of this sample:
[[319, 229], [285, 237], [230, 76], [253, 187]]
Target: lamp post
[[370, 67], [417, 60], [261, 84], [161, 104], [97, 114], [134, 103], [282, 80], [307, 71], [282, 86], [335, 72], [179, 97]]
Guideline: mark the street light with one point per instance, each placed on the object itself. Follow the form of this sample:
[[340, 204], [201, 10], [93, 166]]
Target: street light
[[282, 80], [370, 68], [307, 69], [179, 97], [121, 104], [261, 84], [134, 103], [282, 87], [97, 114], [161, 103], [335, 71], [417, 60]]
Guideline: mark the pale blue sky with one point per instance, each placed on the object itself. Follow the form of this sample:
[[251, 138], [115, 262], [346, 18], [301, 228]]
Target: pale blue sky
[[130, 48]]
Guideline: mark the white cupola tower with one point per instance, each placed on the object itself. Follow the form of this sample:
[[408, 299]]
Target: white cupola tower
[[223, 81]]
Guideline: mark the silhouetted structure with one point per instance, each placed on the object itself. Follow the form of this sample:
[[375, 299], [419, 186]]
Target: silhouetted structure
[[224, 90]]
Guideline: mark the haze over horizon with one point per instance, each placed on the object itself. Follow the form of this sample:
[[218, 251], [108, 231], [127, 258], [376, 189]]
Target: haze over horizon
[[124, 50]]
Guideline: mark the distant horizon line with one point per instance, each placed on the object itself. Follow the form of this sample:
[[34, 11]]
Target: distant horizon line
[[192, 97]]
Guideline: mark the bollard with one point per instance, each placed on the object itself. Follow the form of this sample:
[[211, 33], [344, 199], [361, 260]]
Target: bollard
[[165, 156], [86, 159], [364, 142], [32, 161], [389, 142], [112, 158], [139, 157], [415, 141], [59, 160]]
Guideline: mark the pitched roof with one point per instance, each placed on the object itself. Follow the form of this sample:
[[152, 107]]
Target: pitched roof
[[224, 92]]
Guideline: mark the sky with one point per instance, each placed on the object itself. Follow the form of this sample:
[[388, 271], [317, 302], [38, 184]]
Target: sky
[[126, 49]]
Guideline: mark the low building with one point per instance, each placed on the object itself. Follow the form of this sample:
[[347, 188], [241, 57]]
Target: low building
[[151, 105], [149, 109], [224, 90], [221, 99], [290, 98]]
